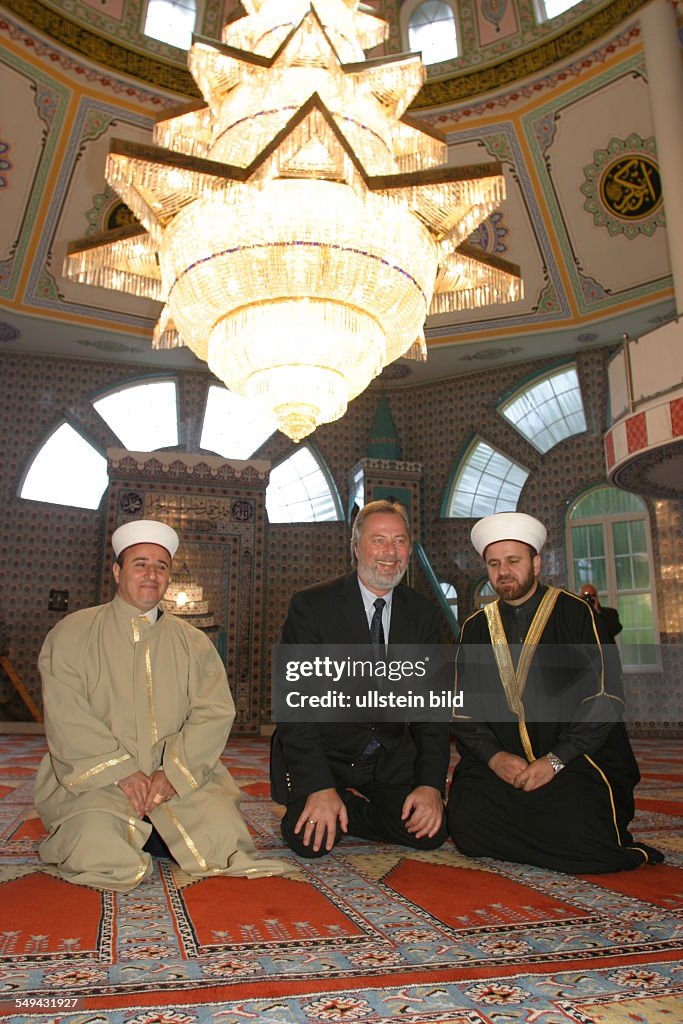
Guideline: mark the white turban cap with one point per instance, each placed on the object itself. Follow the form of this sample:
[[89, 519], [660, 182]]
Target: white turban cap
[[508, 526], [144, 531]]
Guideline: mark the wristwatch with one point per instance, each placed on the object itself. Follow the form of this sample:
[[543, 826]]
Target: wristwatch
[[555, 762]]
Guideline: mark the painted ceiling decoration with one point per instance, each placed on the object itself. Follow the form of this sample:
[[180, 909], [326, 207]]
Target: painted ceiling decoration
[[624, 189], [558, 105], [529, 51]]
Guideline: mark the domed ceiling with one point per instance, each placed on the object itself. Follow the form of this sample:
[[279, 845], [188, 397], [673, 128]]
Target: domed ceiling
[[564, 105]]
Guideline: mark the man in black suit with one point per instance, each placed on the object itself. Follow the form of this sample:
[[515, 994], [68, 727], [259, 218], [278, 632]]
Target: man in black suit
[[607, 618], [382, 782]]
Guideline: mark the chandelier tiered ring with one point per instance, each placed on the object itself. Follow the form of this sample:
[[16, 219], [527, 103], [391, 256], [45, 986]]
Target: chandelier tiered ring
[[297, 226]]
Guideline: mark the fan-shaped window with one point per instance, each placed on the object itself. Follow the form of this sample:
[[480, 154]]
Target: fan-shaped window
[[66, 470], [608, 539], [432, 31], [301, 491], [234, 427], [144, 417], [171, 21], [547, 410], [487, 481], [548, 9]]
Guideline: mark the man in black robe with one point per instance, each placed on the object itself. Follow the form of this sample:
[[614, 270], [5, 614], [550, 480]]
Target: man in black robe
[[547, 773]]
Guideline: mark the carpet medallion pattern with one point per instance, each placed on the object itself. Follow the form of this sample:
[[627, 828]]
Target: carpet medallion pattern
[[371, 933]]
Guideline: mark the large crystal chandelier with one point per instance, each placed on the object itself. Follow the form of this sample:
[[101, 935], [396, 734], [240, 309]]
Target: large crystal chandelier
[[297, 226]]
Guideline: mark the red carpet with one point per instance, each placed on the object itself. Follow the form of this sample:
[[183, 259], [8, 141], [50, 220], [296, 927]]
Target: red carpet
[[662, 887], [373, 934]]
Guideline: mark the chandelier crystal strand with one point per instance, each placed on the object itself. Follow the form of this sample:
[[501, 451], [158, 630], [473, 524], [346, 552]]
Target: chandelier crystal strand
[[298, 226]]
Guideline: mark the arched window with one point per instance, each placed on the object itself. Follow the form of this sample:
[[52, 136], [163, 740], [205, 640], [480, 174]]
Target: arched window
[[66, 470], [609, 545], [301, 490], [487, 481], [431, 30], [483, 594], [548, 409], [144, 417], [451, 595], [233, 427], [549, 9], [356, 493], [171, 21]]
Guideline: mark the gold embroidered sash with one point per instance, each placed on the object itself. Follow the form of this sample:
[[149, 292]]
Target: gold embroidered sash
[[141, 627], [513, 680]]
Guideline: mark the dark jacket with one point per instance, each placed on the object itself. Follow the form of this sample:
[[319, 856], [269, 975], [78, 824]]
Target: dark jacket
[[304, 755]]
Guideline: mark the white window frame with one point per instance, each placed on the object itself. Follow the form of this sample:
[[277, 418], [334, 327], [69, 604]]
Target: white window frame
[[195, 28], [405, 14], [38, 451], [611, 598], [250, 408], [531, 385], [462, 464], [542, 15], [479, 599], [450, 598], [334, 493], [129, 386]]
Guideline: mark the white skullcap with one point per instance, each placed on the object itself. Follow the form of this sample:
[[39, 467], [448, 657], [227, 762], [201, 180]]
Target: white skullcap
[[144, 531], [508, 526]]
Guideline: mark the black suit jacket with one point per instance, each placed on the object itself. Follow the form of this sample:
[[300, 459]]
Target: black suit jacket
[[608, 618], [304, 755]]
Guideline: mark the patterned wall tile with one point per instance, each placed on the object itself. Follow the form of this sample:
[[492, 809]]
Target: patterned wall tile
[[52, 546]]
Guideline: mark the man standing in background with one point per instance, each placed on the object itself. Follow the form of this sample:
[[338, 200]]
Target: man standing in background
[[606, 618]]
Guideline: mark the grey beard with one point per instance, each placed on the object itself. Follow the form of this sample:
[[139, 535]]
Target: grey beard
[[381, 581]]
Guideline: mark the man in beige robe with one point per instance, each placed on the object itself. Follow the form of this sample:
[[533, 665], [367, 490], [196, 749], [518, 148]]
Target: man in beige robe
[[137, 713]]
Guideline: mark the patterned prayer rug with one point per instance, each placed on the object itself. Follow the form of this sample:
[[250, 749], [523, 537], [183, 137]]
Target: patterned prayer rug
[[370, 934]]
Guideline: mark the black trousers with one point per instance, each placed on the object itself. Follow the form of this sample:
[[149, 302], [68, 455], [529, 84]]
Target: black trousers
[[376, 815], [577, 823], [155, 845]]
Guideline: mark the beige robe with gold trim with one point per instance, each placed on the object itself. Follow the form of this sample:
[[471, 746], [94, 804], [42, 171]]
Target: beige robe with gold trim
[[121, 696]]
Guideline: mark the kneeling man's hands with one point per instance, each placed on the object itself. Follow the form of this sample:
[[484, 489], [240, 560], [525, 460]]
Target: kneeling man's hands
[[507, 766], [160, 790], [136, 788], [538, 773], [423, 811], [519, 773], [322, 810], [146, 793]]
